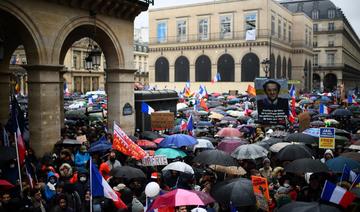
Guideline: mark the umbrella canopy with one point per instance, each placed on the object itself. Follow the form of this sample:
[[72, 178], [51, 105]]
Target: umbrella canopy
[[177, 141], [341, 113], [215, 157], [75, 114], [5, 185], [308, 207], [127, 172], [304, 165], [301, 138], [239, 192], [146, 144], [170, 153], [228, 132], [352, 155], [150, 135], [354, 147], [337, 164], [204, 124], [317, 124], [231, 170], [229, 118], [229, 146], [249, 151], [293, 152], [181, 197], [158, 140], [215, 115], [100, 146], [180, 167], [180, 106], [279, 146], [203, 144]]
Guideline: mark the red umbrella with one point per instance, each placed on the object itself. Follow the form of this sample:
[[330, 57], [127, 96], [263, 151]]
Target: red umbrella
[[181, 197], [146, 144], [158, 140], [229, 146], [215, 94], [5, 185], [228, 132]]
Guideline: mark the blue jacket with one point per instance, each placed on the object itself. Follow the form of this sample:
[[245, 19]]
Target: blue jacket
[[49, 193], [81, 159]]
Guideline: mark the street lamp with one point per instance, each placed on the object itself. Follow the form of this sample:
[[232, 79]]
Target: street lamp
[[266, 66], [93, 59], [96, 56]]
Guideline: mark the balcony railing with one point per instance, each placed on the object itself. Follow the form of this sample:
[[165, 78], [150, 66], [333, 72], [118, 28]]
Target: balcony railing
[[328, 65]]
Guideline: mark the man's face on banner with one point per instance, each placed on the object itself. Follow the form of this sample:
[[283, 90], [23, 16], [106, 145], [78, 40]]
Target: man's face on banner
[[272, 91]]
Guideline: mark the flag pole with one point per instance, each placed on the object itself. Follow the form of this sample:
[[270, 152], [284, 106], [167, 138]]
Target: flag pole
[[91, 195], [18, 162]]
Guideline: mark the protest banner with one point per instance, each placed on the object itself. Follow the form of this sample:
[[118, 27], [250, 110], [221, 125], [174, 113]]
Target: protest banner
[[162, 120], [157, 160], [327, 138], [261, 191]]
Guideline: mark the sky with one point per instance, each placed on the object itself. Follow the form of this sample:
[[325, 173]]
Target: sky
[[349, 8]]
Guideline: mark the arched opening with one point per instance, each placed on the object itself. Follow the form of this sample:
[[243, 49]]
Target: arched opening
[[203, 69], [330, 82], [284, 68], [226, 68], [250, 67], [182, 72], [162, 70], [272, 66], [289, 69], [316, 82], [278, 67]]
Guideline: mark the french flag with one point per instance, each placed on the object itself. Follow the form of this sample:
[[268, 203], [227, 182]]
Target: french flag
[[183, 125], [202, 92], [323, 109], [216, 78], [351, 99], [190, 124], [100, 188], [145, 108], [293, 100], [348, 174], [90, 101], [337, 195]]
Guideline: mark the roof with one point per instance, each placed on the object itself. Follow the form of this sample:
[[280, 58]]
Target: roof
[[307, 6]]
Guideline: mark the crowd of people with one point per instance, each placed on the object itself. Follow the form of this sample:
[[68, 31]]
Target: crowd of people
[[60, 179]]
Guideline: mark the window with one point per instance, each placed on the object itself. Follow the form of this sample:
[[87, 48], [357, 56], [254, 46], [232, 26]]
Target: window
[[315, 14], [315, 42], [300, 7], [306, 36], [290, 38], [161, 32], [226, 26], [316, 60], [315, 27], [310, 36], [279, 27], [331, 40], [140, 67], [75, 62], [250, 21], [145, 66], [330, 59], [203, 29], [331, 13], [272, 25], [181, 30], [331, 26], [284, 30]]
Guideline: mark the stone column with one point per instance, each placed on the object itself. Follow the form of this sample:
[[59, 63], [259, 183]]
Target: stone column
[[120, 90], [61, 85], [44, 106], [4, 97]]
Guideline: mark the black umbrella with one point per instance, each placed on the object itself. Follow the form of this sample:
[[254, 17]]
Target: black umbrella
[[7, 153], [304, 165], [272, 141], [215, 157], [127, 172], [150, 135], [239, 192], [341, 113], [293, 152], [301, 138], [308, 207]]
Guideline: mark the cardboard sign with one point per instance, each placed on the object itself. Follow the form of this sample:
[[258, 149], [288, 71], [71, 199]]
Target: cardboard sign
[[158, 160], [261, 190], [162, 120], [327, 138], [304, 121], [233, 92], [81, 138]]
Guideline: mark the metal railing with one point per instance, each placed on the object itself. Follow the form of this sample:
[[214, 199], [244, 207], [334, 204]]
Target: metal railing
[[328, 65]]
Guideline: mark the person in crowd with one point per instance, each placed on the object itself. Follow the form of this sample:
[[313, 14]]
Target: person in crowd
[[38, 203], [62, 205], [81, 157], [266, 170], [66, 172], [327, 156], [50, 189], [112, 162]]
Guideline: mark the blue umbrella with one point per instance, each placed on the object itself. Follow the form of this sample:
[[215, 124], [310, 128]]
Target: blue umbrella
[[102, 145], [177, 141], [234, 100], [204, 124], [337, 164]]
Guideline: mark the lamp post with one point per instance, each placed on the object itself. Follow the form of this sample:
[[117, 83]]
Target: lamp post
[[93, 59], [266, 66]]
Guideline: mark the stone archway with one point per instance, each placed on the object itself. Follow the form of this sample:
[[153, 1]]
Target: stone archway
[[203, 69], [272, 66], [250, 67], [278, 67], [330, 82], [182, 69], [316, 81], [162, 70], [226, 68]]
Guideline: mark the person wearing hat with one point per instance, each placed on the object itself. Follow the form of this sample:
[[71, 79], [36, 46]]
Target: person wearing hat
[[327, 156], [266, 170], [81, 157], [272, 100]]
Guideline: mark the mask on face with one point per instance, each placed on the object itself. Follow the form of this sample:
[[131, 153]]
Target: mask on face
[[82, 179], [112, 159], [12, 165]]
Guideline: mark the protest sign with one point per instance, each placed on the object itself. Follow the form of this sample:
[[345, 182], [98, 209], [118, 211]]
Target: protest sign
[[157, 160], [162, 120], [327, 138]]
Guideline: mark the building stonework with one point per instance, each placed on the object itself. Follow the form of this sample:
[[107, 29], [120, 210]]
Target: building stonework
[[195, 42]]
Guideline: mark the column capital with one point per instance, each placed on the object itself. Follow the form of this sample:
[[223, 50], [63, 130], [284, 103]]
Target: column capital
[[44, 73], [43, 67], [120, 70]]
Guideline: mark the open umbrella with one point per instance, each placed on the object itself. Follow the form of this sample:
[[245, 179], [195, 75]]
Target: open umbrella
[[228, 132], [170, 153], [204, 124], [229, 146], [215, 157], [181, 197], [231, 170], [100, 146], [337, 164], [150, 135], [301, 138], [238, 192], [177, 141], [304, 165], [127, 172], [180, 167], [354, 147], [278, 146], [308, 207], [215, 115], [158, 140], [352, 155], [249, 151], [293, 152], [341, 113], [180, 106], [203, 144], [146, 144], [5, 185]]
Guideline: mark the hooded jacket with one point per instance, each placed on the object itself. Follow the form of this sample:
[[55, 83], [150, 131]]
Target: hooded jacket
[[50, 190]]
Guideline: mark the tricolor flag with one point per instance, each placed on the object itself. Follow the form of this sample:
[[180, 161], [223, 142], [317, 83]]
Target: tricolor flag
[[336, 194], [190, 124], [202, 92], [351, 99], [293, 100], [15, 128], [187, 93], [348, 174], [145, 108], [187, 84], [217, 78], [203, 104], [183, 125], [100, 188], [323, 109]]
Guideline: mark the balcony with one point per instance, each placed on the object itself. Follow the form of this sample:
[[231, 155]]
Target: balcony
[[328, 66]]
